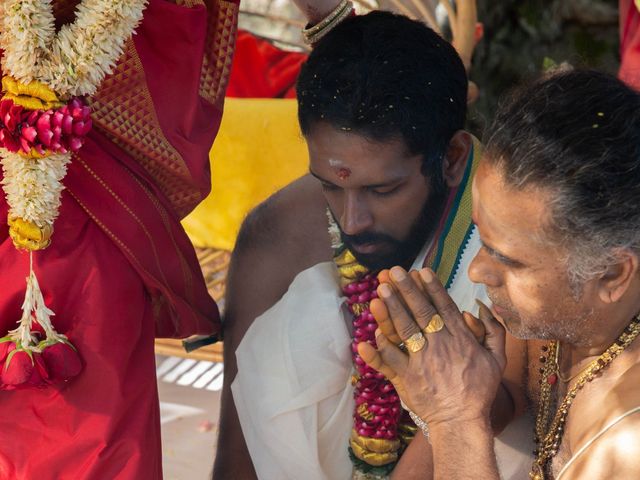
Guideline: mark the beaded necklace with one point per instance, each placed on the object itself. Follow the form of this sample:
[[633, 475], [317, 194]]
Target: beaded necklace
[[548, 434]]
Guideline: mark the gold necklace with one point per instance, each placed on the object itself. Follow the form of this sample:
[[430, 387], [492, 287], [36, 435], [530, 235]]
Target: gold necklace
[[564, 379], [548, 435]]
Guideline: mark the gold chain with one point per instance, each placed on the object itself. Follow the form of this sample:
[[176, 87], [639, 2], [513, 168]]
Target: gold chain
[[548, 437]]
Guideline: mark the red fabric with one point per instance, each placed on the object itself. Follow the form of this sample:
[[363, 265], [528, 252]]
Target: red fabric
[[629, 43], [261, 70], [120, 268]]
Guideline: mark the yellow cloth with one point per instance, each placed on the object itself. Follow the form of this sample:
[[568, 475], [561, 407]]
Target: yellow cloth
[[258, 150]]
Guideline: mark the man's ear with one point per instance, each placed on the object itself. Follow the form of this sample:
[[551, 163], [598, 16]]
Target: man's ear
[[455, 159], [615, 282]]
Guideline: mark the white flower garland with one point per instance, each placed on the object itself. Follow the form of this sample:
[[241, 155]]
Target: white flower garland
[[75, 61], [33, 187], [27, 31], [334, 232]]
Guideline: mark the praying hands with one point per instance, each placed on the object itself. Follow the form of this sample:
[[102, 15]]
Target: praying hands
[[445, 365]]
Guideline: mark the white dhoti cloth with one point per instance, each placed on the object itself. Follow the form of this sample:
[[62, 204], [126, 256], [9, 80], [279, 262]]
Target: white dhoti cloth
[[293, 389]]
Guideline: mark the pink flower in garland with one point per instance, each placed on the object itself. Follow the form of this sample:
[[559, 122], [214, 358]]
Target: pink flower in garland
[[63, 362], [57, 131], [378, 410], [20, 368], [6, 347], [23, 369], [10, 119]]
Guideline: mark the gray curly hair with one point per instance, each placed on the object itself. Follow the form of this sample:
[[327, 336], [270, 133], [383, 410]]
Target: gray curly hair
[[576, 133]]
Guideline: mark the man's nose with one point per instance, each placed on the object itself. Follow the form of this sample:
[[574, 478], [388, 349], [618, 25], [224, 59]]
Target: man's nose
[[482, 271], [356, 217]]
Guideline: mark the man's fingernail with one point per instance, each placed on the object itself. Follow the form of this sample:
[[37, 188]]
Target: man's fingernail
[[398, 274], [484, 311], [426, 275], [385, 290]]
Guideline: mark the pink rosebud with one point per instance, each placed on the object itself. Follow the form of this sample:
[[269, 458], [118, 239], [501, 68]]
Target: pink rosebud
[[29, 133], [67, 124], [88, 125], [39, 375], [5, 105], [25, 145], [363, 297], [56, 121], [75, 144], [17, 369], [44, 121], [45, 137], [11, 119], [32, 117], [78, 128], [62, 361], [349, 289], [6, 347], [8, 141]]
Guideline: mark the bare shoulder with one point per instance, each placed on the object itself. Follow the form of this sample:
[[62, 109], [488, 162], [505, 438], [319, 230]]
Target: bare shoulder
[[614, 452], [281, 237], [289, 218], [605, 431]]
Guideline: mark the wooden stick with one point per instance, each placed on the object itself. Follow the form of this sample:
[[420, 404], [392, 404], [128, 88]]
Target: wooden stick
[[404, 9], [366, 5], [453, 19], [427, 15], [206, 256], [275, 18]]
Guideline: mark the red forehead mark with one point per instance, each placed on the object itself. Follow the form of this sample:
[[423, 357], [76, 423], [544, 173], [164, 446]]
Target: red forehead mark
[[343, 173]]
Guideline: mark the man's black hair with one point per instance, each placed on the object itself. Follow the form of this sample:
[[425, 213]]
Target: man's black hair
[[385, 76]]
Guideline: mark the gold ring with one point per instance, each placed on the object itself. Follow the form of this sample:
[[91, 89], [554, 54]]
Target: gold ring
[[415, 342], [435, 324]]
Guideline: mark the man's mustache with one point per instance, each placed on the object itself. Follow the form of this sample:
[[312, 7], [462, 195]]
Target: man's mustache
[[366, 238]]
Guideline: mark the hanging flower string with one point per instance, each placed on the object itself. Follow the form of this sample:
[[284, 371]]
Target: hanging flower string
[[26, 359], [43, 121]]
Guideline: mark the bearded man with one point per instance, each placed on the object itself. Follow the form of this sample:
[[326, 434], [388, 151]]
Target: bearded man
[[382, 103], [556, 202]]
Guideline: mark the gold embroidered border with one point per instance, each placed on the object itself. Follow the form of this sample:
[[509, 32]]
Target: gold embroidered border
[[128, 210], [186, 271], [218, 55], [125, 113]]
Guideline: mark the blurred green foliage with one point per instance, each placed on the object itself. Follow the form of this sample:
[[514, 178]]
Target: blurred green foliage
[[524, 38]]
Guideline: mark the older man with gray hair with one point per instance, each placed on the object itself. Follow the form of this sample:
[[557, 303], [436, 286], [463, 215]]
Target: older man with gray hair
[[557, 205]]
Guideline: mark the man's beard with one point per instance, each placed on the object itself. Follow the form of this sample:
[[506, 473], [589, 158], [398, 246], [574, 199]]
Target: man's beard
[[568, 326], [399, 252]]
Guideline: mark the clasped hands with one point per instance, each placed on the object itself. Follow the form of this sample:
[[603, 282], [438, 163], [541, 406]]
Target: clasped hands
[[451, 376]]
